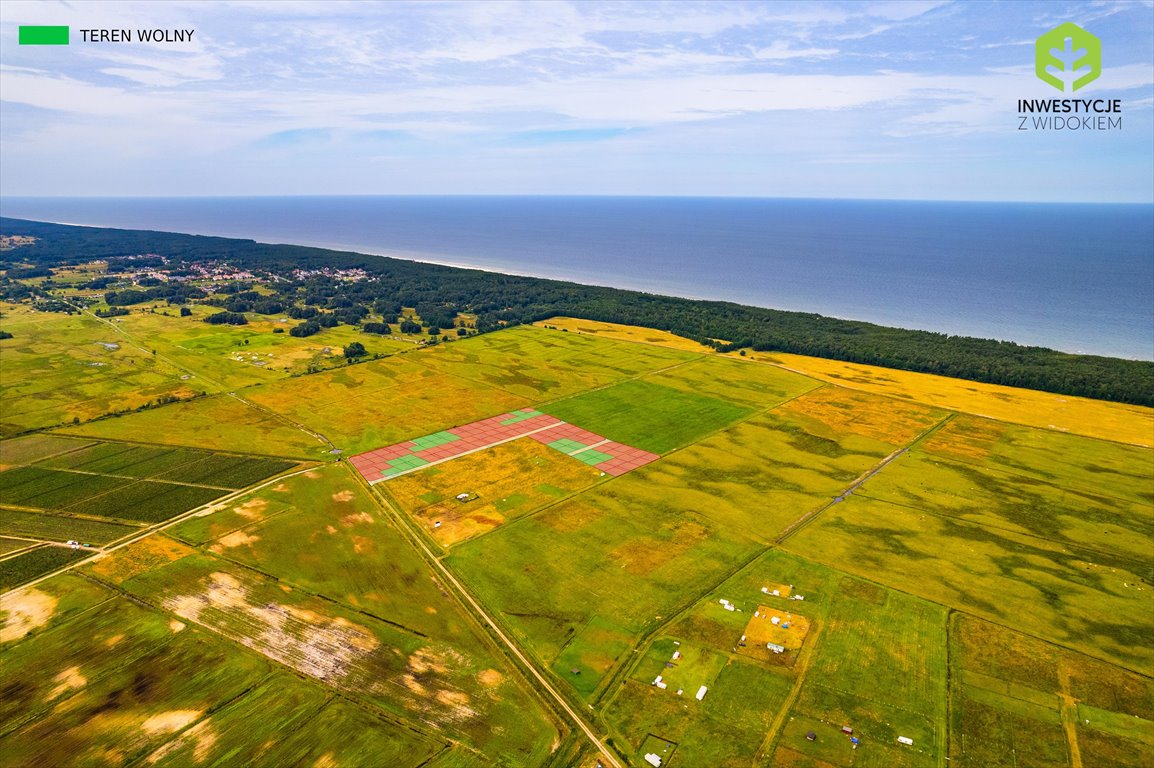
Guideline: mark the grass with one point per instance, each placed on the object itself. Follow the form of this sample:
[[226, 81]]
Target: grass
[[304, 726], [1007, 689], [31, 448], [57, 369], [734, 381], [509, 481], [238, 356], [34, 563], [133, 709], [1079, 599], [39, 525], [541, 365], [617, 332], [760, 476], [1017, 503], [382, 402], [1072, 462], [451, 687], [616, 552], [322, 531], [214, 423], [649, 416], [1077, 415]]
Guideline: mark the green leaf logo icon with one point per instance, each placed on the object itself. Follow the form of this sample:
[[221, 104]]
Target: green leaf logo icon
[[1068, 57]]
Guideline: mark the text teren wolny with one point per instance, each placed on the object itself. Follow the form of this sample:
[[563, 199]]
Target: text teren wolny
[[136, 35]]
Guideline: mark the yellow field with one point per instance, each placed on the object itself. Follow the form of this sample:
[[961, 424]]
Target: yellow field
[[761, 630], [889, 421], [623, 333], [509, 480], [1123, 423]]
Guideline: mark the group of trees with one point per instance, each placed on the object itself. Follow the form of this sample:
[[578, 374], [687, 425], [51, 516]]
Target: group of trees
[[439, 294]]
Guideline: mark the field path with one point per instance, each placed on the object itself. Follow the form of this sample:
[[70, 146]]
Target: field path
[[803, 662], [799, 523], [403, 524], [1069, 716]]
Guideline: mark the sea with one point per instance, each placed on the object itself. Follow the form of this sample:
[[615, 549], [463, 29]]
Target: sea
[[1073, 277]]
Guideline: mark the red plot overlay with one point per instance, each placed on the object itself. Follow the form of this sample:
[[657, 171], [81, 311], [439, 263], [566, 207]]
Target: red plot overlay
[[588, 447]]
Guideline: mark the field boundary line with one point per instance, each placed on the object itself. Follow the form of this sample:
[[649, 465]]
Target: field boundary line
[[159, 527], [590, 447], [399, 519], [263, 409], [805, 658], [1069, 714], [810, 516]]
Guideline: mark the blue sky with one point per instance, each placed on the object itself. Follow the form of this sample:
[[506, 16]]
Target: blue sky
[[913, 99]]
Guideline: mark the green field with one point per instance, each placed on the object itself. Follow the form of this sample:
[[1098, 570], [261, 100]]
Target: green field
[[60, 368], [981, 588], [649, 416], [29, 565], [40, 525], [219, 422]]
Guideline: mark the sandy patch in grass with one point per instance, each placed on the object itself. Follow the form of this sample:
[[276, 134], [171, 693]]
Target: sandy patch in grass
[[112, 641], [26, 609], [234, 539], [175, 625], [349, 521], [68, 680], [251, 509], [345, 495], [168, 722], [136, 558], [326, 761], [321, 646], [312, 474], [490, 678]]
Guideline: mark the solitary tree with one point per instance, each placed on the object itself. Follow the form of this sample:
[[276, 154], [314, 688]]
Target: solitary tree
[[356, 349]]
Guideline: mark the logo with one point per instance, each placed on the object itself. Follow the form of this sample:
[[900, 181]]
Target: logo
[[1068, 57]]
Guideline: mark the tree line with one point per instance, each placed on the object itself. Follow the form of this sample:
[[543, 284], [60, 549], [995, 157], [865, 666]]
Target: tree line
[[439, 294]]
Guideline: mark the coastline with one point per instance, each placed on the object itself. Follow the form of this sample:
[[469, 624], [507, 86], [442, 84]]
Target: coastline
[[1009, 317]]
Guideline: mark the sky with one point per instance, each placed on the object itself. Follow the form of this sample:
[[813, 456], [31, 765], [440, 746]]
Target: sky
[[907, 99]]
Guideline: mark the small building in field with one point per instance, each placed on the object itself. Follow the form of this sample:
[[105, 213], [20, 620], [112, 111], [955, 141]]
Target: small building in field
[[701, 692], [654, 760], [847, 730], [775, 647], [905, 740], [811, 736]]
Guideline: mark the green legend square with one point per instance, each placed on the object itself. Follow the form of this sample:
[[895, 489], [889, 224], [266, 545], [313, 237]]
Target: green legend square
[[43, 35]]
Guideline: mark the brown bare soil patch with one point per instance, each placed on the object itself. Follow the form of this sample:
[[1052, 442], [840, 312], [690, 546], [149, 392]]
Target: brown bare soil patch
[[761, 630], [345, 495], [144, 555], [26, 610], [175, 625], [490, 678], [326, 761]]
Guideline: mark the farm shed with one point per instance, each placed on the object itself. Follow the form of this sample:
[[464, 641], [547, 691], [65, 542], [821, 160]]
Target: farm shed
[[701, 692], [652, 759], [905, 740]]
